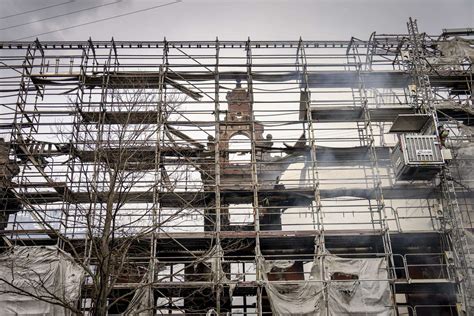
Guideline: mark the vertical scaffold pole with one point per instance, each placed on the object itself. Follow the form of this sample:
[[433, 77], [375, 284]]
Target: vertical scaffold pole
[[380, 216], [316, 206]]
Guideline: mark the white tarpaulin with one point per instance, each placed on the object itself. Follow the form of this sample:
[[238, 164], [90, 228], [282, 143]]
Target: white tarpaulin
[[470, 242], [369, 294], [364, 290], [140, 304], [46, 272], [457, 47], [454, 52]]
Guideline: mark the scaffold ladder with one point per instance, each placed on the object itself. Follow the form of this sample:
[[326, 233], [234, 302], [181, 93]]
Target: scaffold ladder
[[453, 224]]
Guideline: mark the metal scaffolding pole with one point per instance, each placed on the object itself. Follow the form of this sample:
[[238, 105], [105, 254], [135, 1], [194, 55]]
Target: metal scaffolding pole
[[202, 224]]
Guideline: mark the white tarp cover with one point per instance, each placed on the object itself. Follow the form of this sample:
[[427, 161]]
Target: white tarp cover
[[454, 52], [369, 294], [140, 304], [465, 160], [457, 47], [470, 242], [43, 272]]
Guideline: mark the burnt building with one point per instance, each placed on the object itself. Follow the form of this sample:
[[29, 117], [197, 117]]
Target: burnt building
[[238, 177]]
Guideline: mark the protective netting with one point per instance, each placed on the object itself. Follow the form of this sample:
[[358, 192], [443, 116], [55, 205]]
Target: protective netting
[[29, 273]]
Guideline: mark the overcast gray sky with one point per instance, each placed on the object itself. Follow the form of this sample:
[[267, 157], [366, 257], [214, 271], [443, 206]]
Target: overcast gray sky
[[227, 19]]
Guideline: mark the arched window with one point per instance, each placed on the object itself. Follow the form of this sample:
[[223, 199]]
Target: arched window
[[239, 149]]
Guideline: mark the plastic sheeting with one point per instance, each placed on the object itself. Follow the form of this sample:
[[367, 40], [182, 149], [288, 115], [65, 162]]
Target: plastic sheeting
[[46, 272], [142, 299], [368, 293], [141, 303], [457, 48], [453, 51], [470, 242], [296, 298], [465, 160]]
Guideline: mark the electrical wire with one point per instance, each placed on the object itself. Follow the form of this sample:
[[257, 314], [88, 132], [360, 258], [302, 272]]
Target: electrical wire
[[35, 10], [12, 68], [60, 15], [100, 20]]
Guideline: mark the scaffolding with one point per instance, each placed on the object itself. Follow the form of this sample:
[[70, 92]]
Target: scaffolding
[[235, 177]]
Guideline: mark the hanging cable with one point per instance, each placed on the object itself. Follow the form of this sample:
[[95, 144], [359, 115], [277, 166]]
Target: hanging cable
[[99, 20], [60, 15], [36, 10]]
